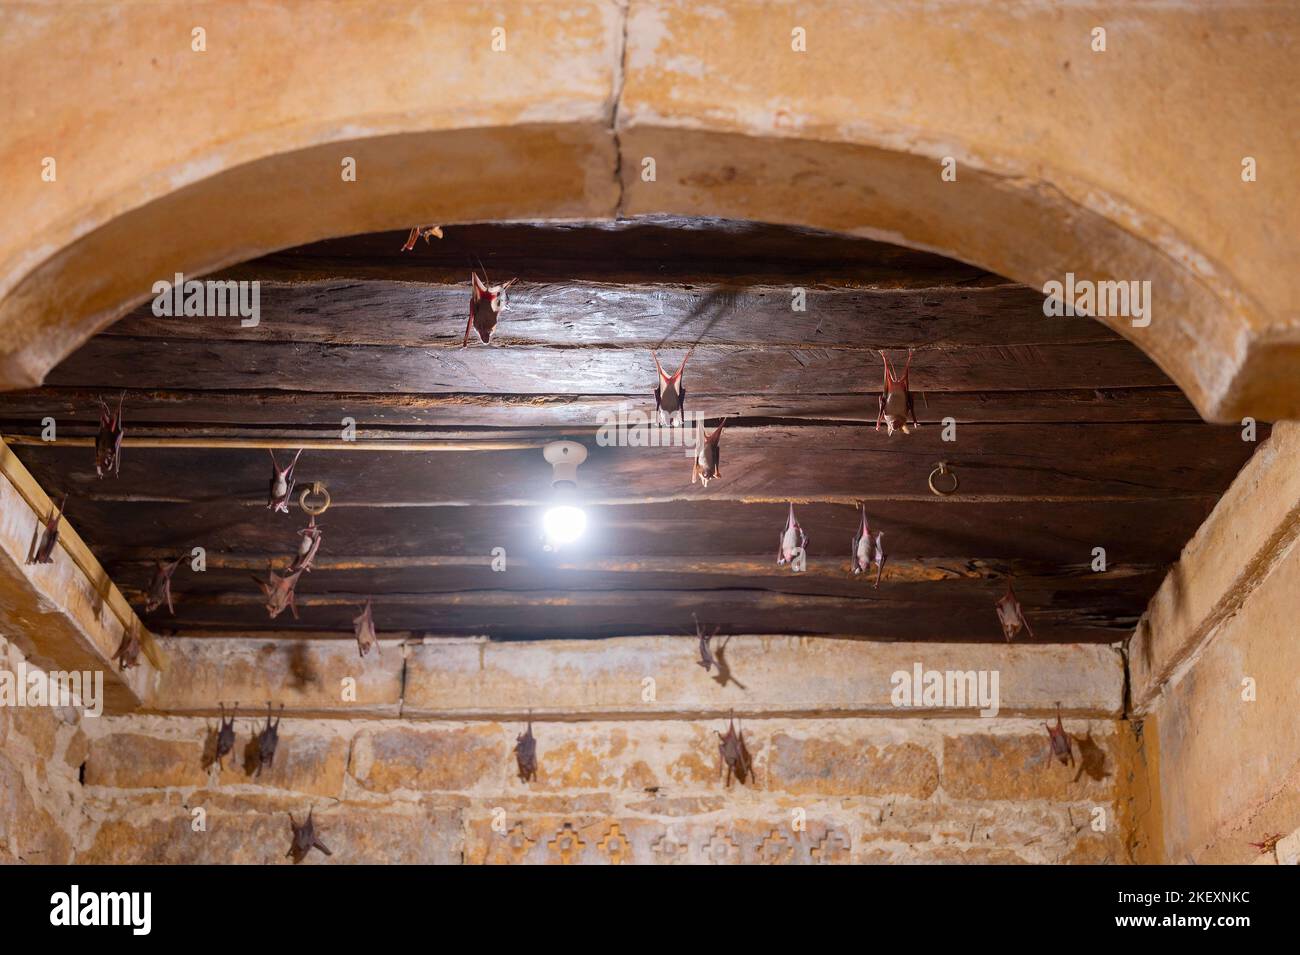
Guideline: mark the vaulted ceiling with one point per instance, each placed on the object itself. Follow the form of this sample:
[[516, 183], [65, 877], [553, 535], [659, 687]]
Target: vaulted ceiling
[[1067, 439]]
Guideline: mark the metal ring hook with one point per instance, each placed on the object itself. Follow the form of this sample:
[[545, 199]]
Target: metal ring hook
[[319, 490], [942, 471]]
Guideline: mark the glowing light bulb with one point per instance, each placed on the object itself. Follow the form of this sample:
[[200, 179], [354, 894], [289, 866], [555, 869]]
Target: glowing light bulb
[[564, 524]]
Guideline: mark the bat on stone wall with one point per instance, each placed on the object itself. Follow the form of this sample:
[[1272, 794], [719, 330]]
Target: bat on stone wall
[[364, 626], [108, 442], [128, 651], [670, 392], [485, 305], [305, 838], [268, 740], [735, 756], [160, 588], [1059, 740], [226, 734], [526, 754], [282, 482], [896, 407], [706, 660], [424, 232], [792, 539], [706, 466], [1011, 615], [46, 536]]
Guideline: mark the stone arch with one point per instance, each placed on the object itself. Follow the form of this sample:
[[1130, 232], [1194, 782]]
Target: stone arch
[[568, 144]]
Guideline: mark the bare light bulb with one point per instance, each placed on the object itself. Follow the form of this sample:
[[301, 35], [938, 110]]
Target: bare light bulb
[[564, 524]]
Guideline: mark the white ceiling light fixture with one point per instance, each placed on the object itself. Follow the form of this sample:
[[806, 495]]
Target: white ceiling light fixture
[[564, 521]]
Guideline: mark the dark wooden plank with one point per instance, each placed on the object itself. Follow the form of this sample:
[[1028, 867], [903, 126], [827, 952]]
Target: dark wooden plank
[[905, 578], [768, 463], [76, 412], [879, 616], [573, 313], [1138, 532], [629, 250], [112, 363]]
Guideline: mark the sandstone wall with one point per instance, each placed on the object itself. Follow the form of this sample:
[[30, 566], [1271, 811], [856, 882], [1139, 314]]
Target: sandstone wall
[[1215, 675], [870, 790], [1229, 762], [41, 752]]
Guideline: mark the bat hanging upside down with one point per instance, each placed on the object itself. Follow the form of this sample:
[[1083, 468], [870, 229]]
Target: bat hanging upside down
[[896, 405], [486, 303]]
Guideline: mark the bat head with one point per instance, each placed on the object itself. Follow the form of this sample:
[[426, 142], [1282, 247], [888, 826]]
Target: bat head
[[491, 295]]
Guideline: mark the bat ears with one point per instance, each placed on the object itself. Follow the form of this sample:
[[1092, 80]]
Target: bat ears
[[479, 285]]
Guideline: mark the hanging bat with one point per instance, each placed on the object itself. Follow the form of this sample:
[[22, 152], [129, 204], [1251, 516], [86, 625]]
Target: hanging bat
[[863, 554], [670, 393], [422, 232], [526, 754], [160, 588], [706, 465], [305, 838], [1011, 616], [108, 443], [282, 482], [128, 651], [485, 304], [735, 757], [42, 552], [307, 547], [279, 592], [706, 660], [896, 399], [880, 557], [226, 734], [711, 660], [1060, 741], [268, 740], [364, 624], [860, 555], [792, 539]]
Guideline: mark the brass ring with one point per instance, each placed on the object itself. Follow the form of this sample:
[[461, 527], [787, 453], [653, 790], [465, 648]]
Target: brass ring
[[320, 490], [942, 471]]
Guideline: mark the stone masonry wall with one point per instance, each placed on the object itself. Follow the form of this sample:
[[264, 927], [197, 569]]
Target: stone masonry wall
[[869, 790], [41, 752]]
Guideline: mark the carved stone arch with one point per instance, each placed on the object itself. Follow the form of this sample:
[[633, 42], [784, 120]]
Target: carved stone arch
[[185, 161]]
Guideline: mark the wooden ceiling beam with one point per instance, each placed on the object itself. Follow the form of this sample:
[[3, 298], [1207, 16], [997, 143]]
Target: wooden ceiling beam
[[771, 464], [579, 314], [715, 371], [1040, 531], [185, 409], [957, 612]]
